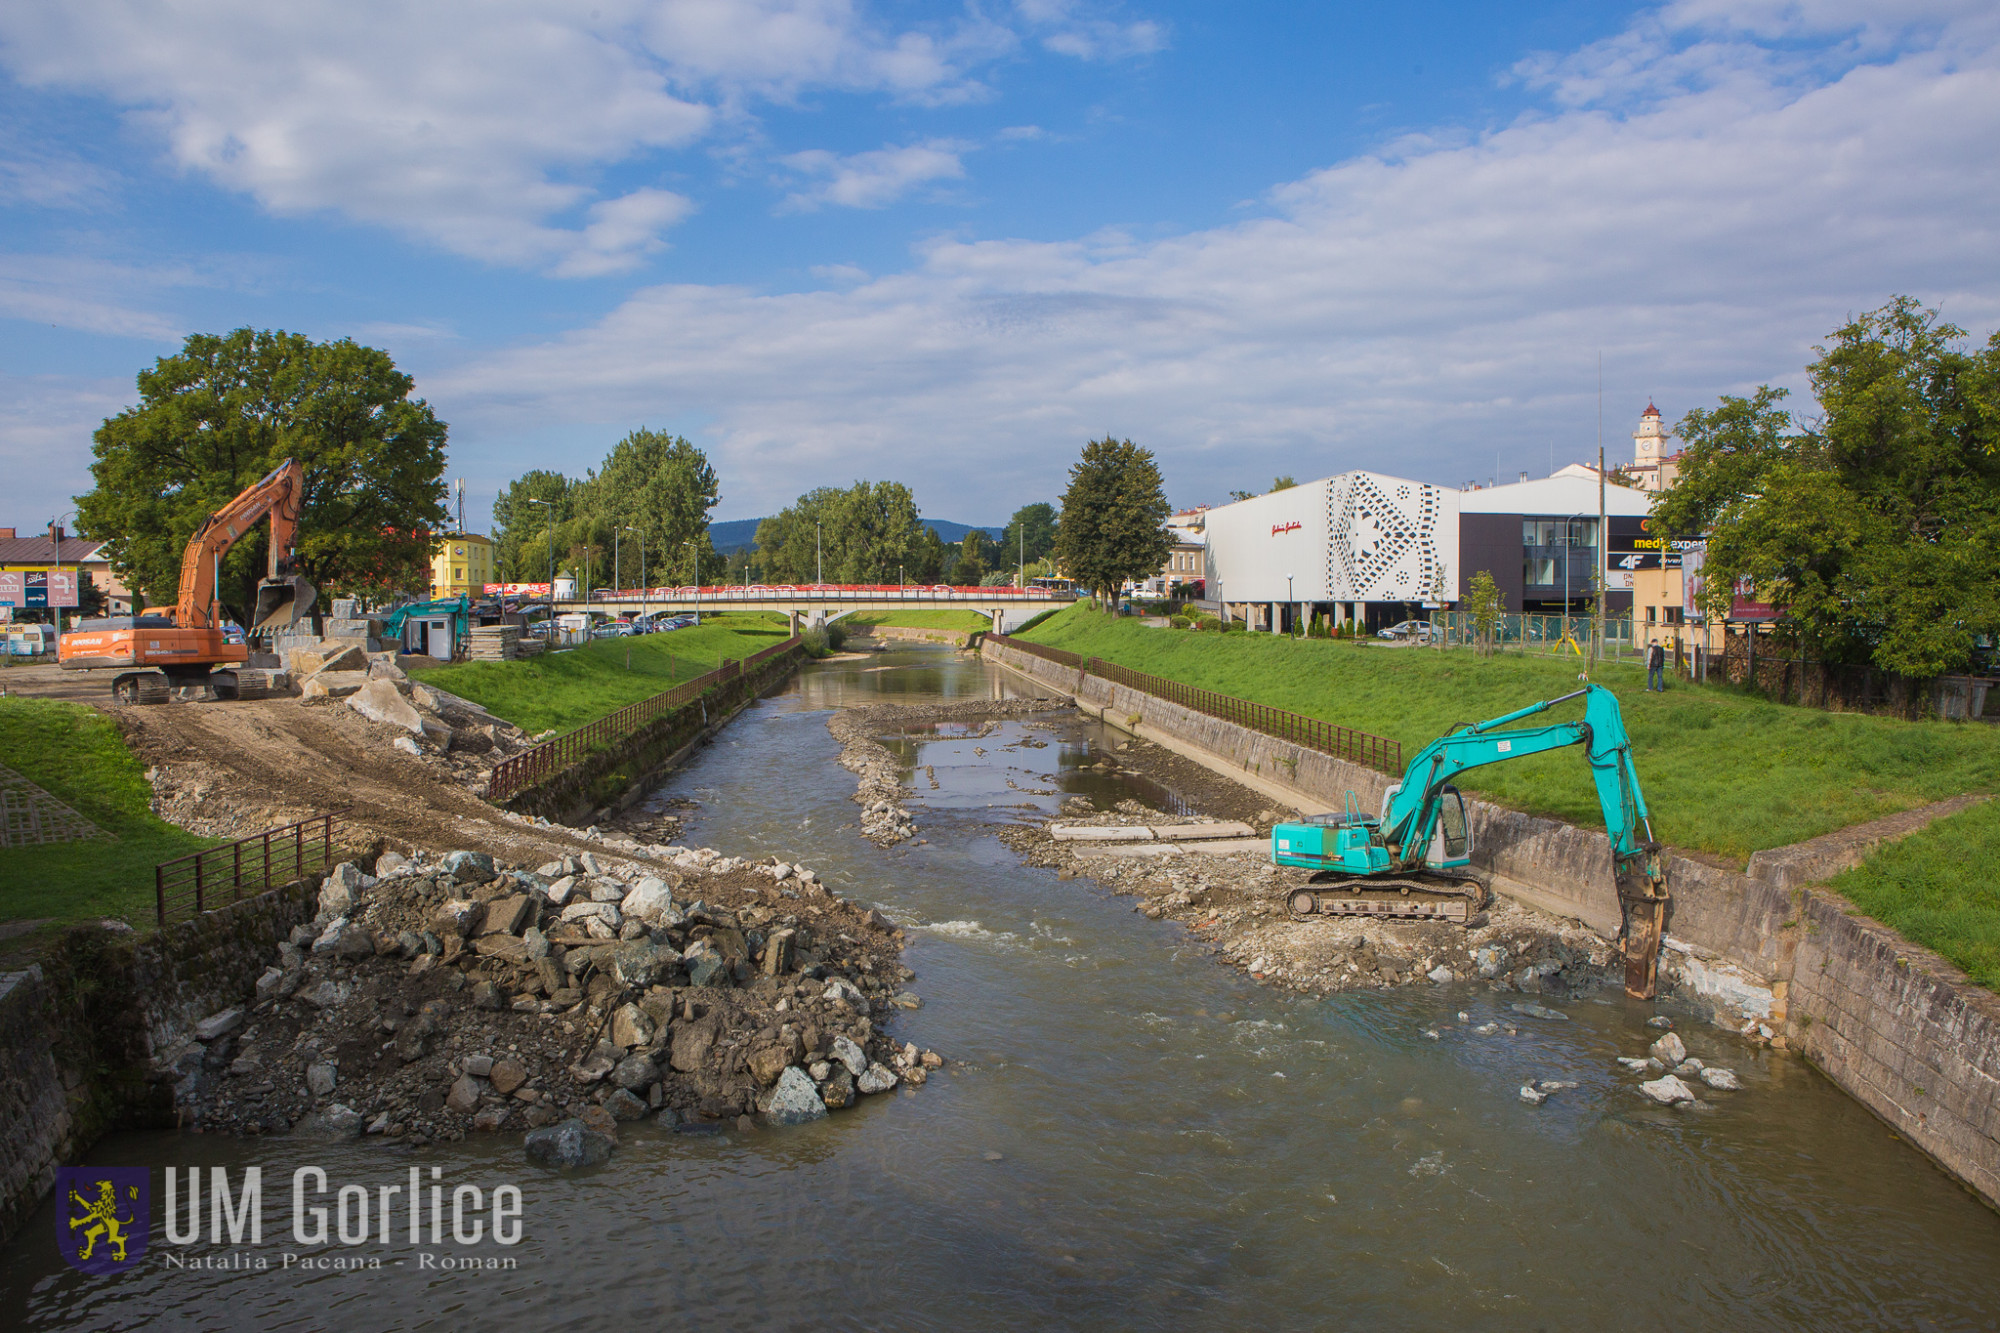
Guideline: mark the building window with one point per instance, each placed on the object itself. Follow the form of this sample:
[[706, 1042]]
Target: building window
[[1652, 615]]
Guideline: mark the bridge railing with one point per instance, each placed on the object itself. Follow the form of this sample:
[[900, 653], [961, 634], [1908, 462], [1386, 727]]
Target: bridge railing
[[1377, 752], [544, 761]]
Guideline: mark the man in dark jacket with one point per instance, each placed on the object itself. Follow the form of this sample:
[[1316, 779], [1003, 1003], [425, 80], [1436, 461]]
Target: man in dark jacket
[[1656, 668]]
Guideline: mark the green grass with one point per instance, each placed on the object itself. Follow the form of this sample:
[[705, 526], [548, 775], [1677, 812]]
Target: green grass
[[564, 690], [1939, 888], [961, 621], [1724, 772], [76, 754]]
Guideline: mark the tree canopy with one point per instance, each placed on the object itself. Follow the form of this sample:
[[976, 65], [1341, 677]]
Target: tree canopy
[[1030, 534], [1113, 515], [1876, 527], [642, 511], [227, 409], [869, 533]]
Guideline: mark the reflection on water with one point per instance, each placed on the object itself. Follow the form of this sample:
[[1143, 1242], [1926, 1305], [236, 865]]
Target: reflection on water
[[1139, 1138]]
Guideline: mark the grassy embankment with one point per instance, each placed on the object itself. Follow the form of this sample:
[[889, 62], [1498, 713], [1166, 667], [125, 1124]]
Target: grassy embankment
[[1724, 772], [76, 755], [565, 689], [963, 622]]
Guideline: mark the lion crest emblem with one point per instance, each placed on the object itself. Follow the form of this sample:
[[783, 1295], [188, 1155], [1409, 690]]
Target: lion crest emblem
[[103, 1218]]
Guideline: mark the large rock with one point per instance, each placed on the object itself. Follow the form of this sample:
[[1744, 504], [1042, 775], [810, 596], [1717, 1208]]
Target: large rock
[[504, 916], [624, 1106], [1724, 1079], [465, 1093], [457, 917], [327, 995], [653, 903], [879, 1078], [343, 884], [778, 952], [600, 919], [335, 1122], [767, 1062], [838, 1089], [417, 1035], [1669, 1049], [693, 1041], [631, 1026], [640, 965], [507, 1075], [562, 888], [793, 1100], [636, 1071], [217, 1026], [1667, 1091], [851, 1055], [840, 988], [705, 964], [320, 1079], [380, 701], [570, 1144], [469, 867]]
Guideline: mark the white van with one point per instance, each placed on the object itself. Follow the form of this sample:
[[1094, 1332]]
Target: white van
[[30, 640]]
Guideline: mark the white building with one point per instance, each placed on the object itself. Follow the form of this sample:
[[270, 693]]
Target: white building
[[1369, 548]]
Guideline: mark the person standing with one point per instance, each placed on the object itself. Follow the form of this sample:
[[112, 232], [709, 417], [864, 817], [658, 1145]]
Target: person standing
[[1656, 668]]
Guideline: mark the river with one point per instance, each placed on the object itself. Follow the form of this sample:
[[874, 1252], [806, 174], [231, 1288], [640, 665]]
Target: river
[[1129, 1136]]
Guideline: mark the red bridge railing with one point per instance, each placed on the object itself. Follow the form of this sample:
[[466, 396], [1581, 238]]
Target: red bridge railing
[[187, 886], [1358, 747], [544, 761]]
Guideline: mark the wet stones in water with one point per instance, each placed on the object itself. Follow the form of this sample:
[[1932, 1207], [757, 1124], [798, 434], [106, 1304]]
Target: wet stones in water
[[570, 1144], [1667, 1091], [1669, 1050], [1540, 1011], [1723, 1079], [793, 1100]]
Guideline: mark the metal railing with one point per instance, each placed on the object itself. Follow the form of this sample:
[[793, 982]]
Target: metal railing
[[187, 886], [533, 767], [1312, 733]]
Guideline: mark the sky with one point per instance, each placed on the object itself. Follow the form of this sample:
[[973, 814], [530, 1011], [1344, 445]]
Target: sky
[[830, 240]]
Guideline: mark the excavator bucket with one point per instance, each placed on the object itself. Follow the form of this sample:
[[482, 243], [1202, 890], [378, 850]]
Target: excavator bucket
[[282, 602]]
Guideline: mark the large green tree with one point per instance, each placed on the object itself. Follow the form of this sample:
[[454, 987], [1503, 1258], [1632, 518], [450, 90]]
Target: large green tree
[[523, 515], [227, 409], [661, 488], [867, 533], [1113, 515], [1875, 527], [1030, 534], [971, 564]]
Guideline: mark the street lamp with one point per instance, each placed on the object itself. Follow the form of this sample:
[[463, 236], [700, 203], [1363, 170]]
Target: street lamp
[[819, 565], [1288, 602], [55, 544], [695, 555]]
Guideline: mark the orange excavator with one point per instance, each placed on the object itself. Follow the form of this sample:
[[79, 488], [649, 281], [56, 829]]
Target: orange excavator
[[186, 645]]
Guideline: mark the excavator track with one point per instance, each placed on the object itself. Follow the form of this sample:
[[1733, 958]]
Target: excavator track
[[1426, 897]]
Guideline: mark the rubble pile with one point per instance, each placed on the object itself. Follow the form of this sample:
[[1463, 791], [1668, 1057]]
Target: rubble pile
[[438, 997], [1236, 902]]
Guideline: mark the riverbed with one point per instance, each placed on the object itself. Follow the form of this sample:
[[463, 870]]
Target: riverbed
[[1128, 1134]]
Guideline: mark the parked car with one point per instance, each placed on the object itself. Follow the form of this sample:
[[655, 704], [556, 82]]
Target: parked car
[[1421, 630]]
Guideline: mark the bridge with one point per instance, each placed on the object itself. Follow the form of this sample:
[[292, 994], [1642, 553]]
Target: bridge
[[807, 604]]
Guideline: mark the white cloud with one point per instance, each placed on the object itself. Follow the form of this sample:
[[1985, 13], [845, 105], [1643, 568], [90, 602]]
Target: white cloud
[[1068, 28], [873, 179], [87, 296], [46, 423], [1420, 311], [475, 126]]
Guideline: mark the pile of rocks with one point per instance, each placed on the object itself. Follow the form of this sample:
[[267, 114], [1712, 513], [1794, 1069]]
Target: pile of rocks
[[1237, 903], [1668, 1057], [880, 792], [433, 998]]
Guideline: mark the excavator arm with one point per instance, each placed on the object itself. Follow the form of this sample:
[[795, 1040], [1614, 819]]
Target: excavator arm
[[282, 597], [1411, 812]]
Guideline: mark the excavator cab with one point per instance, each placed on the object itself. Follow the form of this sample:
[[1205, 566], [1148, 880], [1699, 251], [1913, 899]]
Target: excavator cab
[[281, 603], [1451, 843]]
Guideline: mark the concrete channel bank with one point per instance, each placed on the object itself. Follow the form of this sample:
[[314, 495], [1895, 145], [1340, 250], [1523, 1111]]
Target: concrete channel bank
[[1895, 1025]]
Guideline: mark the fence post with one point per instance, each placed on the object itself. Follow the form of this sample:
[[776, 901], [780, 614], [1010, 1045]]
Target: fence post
[[236, 872], [198, 887], [160, 894]]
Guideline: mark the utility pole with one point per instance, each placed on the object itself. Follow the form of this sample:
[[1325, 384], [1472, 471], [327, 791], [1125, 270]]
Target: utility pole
[[819, 565], [1602, 545]]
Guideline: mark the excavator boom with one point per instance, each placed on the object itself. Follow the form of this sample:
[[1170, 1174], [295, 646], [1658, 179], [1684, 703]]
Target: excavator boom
[[186, 647]]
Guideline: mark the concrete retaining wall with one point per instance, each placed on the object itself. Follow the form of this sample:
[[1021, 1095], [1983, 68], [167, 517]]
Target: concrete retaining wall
[[1895, 1025], [87, 1034]]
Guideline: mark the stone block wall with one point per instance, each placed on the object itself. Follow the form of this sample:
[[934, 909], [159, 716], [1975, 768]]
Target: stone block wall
[[34, 1111], [1893, 1024]]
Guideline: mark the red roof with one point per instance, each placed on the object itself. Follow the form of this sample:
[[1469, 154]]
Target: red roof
[[1650, 411]]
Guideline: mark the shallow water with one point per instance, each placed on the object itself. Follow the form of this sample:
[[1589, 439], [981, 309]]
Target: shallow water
[[1135, 1136]]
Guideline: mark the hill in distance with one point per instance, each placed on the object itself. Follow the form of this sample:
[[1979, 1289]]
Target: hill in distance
[[739, 533]]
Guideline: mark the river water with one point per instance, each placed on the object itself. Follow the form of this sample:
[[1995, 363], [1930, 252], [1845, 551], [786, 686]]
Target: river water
[[1130, 1136]]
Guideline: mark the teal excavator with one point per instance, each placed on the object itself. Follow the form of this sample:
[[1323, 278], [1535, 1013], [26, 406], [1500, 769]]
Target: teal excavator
[[1414, 861]]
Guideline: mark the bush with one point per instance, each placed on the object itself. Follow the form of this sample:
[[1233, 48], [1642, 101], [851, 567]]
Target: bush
[[836, 636], [1179, 622], [814, 640]]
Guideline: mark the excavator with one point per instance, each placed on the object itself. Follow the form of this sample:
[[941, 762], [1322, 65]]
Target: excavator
[[1413, 861], [185, 645]]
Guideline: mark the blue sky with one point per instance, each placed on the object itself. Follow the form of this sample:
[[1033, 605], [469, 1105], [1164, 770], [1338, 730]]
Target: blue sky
[[835, 240]]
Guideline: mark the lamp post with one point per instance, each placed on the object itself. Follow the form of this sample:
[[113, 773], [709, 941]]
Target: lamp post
[[819, 565], [55, 545], [695, 556], [1288, 602], [551, 530]]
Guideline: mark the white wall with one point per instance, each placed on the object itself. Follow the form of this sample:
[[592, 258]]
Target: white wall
[[1253, 544], [1361, 536]]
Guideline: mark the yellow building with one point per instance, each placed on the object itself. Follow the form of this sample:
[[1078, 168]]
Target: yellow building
[[1659, 612], [461, 563]]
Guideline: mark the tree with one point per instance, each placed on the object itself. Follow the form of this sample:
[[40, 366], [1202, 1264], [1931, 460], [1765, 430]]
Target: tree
[[1029, 535], [971, 566], [927, 561], [1485, 604], [1284, 483], [1113, 514], [864, 534], [229, 408], [522, 516], [1875, 529], [662, 488]]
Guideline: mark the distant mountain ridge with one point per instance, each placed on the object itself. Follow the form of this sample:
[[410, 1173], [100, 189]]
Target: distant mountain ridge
[[739, 533]]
